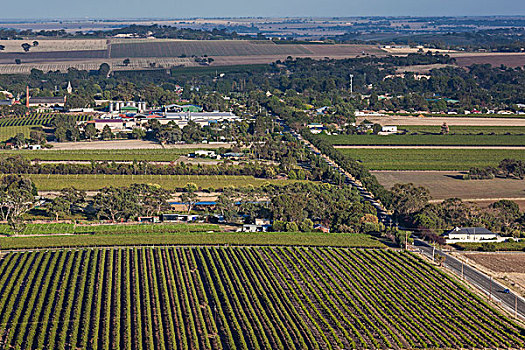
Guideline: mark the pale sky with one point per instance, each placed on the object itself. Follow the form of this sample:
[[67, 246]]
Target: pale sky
[[114, 9]]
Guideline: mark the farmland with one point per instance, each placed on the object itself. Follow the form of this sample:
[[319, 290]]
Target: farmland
[[447, 184], [431, 159], [88, 182], [240, 298], [429, 140], [42, 119], [7, 132], [122, 155], [179, 234], [78, 229]]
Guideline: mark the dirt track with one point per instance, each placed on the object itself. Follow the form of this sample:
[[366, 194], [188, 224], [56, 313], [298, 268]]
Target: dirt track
[[129, 144]]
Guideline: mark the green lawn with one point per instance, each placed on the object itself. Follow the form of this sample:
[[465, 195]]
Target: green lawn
[[221, 238], [153, 155], [430, 159], [425, 139], [45, 182]]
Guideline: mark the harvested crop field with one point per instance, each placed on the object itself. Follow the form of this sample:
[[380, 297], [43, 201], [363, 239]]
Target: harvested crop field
[[448, 184], [500, 262], [176, 48], [249, 298], [495, 59]]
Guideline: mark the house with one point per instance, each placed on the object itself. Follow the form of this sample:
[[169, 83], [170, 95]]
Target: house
[[255, 228], [316, 128], [47, 101], [148, 219], [114, 124], [205, 153], [471, 235], [388, 129]]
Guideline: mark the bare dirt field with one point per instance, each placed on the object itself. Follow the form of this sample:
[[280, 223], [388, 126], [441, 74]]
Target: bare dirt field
[[448, 184], [128, 144], [507, 267], [46, 45], [509, 59], [438, 121]]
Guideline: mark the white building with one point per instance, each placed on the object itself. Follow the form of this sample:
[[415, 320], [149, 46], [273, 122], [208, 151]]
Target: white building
[[472, 235], [388, 129]]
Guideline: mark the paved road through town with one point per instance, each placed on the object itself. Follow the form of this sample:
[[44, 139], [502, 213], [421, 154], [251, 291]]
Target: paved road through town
[[492, 288]]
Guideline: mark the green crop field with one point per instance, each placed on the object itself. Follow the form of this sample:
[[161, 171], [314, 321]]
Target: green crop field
[[88, 182], [425, 139], [162, 235], [151, 155], [7, 132], [240, 298], [79, 229], [431, 159]]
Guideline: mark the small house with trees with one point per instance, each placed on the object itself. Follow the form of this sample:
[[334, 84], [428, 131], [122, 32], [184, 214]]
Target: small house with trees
[[471, 235]]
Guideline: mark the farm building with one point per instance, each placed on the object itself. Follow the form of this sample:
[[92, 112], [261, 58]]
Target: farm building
[[388, 129], [47, 101], [472, 235]]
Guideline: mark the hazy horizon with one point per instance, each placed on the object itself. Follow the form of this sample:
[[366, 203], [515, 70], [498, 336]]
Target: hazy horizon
[[162, 9]]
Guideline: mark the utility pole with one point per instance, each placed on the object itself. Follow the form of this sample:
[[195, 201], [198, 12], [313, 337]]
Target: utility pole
[[351, 85], [433, 254]]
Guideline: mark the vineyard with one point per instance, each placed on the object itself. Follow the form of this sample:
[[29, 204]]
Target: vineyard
[[240, 298], [122, 155], [33, 119], [430, 159]]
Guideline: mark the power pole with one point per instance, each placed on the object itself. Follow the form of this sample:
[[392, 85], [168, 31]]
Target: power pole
[[351, 85], [433, 254]]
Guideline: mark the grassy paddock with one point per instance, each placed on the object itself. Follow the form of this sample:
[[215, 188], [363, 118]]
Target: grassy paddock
[[152, 155], [53, 182], [193, 238], [430, 159], [429, 140]]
